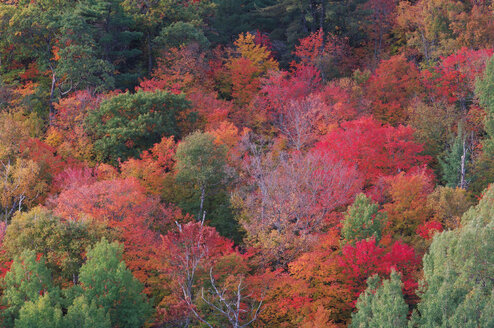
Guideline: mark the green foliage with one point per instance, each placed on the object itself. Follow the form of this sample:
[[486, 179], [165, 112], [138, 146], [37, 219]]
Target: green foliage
[[40, 314], [25, 281], [457, 288], [363, 220], [485, 92], [112, 35], [82, 315], [62, 243], [84, 70], [181, 33], [203, 178], [106, 282], [127, 124], [381, 306], [451, 164], [108, 293]]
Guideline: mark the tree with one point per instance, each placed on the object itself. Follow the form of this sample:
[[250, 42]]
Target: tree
[[484, 89], [22, 183], [180, 33], [133, 217], [366, 258], [313, 292], [448, 205], [202, 169], [62, 243], [458, 270], [394, 83], [106, 281], [230, 302], [363, 221], [408, 206], [381, 306], [127, 124], [246, 65], [27, 280], [40, 313], [107, 31], [187, 251], [454, 164], [376, 150], [154, 168], [292, 197], [83, 315]]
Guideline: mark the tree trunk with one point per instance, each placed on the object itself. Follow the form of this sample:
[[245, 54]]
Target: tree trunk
[[201, 207]]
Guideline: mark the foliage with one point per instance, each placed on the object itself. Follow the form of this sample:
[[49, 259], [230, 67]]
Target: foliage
[[62, 243], [456, 270], [363, 221], [106, 281], [126, 124], [381, 306], [27, 279]]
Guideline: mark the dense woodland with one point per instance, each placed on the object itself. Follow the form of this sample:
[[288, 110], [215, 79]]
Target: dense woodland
[[246, 163]]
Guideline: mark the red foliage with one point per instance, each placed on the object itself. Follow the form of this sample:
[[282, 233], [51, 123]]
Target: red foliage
[[123, 205], [453, 80], [428, 229], [317, 48], [153, 167], [394, 83], [366, 258], [377, 150], [280, 87], [186, 253]]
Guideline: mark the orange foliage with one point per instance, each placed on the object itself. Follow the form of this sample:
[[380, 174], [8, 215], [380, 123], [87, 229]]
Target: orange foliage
[[154, 166]]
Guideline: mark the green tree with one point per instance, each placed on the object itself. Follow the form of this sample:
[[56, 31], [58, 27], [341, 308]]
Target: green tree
[[180, 33], [203, 175], [454, 164], [106, 282], [40, 313], [381, 306], [82, 315], [457, 289], [363, 220], [25, 282], [484, 165], [127, 124], [62, 242], [112, 34], [51, 37]]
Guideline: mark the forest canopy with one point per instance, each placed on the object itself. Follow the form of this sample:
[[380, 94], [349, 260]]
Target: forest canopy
[[246, 163]]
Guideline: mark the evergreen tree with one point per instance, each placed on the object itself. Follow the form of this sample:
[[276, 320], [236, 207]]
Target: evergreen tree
[[381, 306], [113, 35], [457, 289], [127, 124], [363, 220], [27, 279], [106, 283]]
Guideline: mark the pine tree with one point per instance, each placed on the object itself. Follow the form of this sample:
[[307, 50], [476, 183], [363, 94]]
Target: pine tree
[[363, 220], [381, 306], [107, 283], [27, 279], [457, 290]]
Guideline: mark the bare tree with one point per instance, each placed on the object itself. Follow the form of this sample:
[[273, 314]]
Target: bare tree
[[289, 198], [240, 310]]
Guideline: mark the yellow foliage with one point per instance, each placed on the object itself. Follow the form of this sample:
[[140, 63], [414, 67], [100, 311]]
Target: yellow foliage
[[259, 55]]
